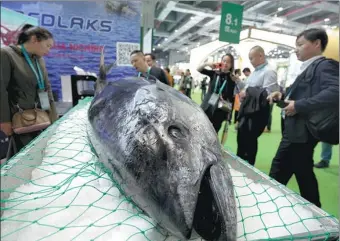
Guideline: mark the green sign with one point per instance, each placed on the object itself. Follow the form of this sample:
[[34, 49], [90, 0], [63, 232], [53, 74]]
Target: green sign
[[231, 22]]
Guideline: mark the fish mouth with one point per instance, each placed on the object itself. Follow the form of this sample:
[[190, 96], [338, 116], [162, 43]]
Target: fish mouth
[[215, 213]]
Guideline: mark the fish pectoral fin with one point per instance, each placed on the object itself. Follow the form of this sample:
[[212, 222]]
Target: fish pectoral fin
[[109, 67]]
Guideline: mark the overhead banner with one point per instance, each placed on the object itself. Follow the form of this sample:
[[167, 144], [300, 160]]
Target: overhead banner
[[81, 29], [11, 23], [231, 22]]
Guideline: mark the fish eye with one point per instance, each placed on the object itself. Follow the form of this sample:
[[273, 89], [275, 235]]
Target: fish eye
[[175, 132]]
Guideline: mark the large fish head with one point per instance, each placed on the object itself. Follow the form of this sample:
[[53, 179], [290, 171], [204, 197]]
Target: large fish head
[[185, 185]]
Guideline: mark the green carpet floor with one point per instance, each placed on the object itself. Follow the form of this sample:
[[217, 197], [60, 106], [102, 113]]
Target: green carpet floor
[[268, 144]]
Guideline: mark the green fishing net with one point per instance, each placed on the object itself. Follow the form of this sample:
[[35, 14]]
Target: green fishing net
[[56, 189]]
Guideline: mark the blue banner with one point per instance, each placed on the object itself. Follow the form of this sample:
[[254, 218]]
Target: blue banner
[[81, 29]]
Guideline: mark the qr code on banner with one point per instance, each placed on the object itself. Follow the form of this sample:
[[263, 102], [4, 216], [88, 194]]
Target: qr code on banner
[[124, 50]]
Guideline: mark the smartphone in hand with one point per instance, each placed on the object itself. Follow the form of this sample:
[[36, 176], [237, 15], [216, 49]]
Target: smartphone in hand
[[218, 65], [281, 103]]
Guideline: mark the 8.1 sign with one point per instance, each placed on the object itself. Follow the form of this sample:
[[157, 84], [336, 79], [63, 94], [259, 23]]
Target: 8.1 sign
[[231, 22]]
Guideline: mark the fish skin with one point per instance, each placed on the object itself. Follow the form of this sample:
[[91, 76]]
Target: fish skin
[[163, 151]]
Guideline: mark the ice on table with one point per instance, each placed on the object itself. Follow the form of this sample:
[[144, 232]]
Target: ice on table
[[69, 198]]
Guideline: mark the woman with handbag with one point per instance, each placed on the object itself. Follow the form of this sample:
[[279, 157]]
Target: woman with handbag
[[27, 105], [217, 103]]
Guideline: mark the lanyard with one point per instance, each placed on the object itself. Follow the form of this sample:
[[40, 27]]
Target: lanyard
[[288, 95], [148, 73], [261, 66], [39, 77], [217, 81]]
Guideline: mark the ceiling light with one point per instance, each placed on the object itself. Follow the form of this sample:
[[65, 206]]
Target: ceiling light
[[192, 17], [153, 49], [159, 45], [334, 27], [326, 19], [166, 39], [176, 30], [280, 9]]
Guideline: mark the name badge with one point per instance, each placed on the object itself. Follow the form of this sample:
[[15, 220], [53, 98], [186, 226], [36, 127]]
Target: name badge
[[44, 101], [213, 99], [188, 86]]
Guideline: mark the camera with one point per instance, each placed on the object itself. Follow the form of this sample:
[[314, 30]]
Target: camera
[[218, 65]]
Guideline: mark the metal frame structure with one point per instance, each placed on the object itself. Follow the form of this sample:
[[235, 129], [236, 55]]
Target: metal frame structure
[[183, 25]]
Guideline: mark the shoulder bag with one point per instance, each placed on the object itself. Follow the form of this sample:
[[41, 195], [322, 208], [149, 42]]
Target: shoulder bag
[[323, 124], [216, 101], [31, 120]]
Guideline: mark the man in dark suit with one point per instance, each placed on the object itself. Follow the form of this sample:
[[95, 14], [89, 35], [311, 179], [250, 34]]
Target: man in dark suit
[[308, 94], [150, 59], [138, 61]]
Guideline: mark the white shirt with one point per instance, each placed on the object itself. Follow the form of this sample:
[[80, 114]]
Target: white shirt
[[264, 76], [308, 62]]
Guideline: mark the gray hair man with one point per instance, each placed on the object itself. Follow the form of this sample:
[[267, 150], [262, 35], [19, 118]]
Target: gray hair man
[[264, 75], [251, 126]]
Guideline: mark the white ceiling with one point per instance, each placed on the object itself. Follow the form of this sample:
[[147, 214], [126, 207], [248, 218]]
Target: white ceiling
[[183, 25]]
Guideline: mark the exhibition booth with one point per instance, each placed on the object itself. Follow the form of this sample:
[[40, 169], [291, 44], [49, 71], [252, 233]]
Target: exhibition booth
[[278, 47]]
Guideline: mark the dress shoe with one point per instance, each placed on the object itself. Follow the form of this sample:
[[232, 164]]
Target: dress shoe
[[322, 164]]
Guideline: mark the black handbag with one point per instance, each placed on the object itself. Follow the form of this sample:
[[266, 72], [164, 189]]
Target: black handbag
[[323, 124]]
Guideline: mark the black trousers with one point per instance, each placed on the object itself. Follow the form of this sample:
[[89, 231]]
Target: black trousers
[[204, 91], [269, 125], [188, 93], [217, 118], [282, 125], [235, 116], [231, 112], [297, 158], [247, 145]]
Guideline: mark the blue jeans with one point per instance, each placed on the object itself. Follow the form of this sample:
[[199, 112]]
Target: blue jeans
[[326, 152]]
